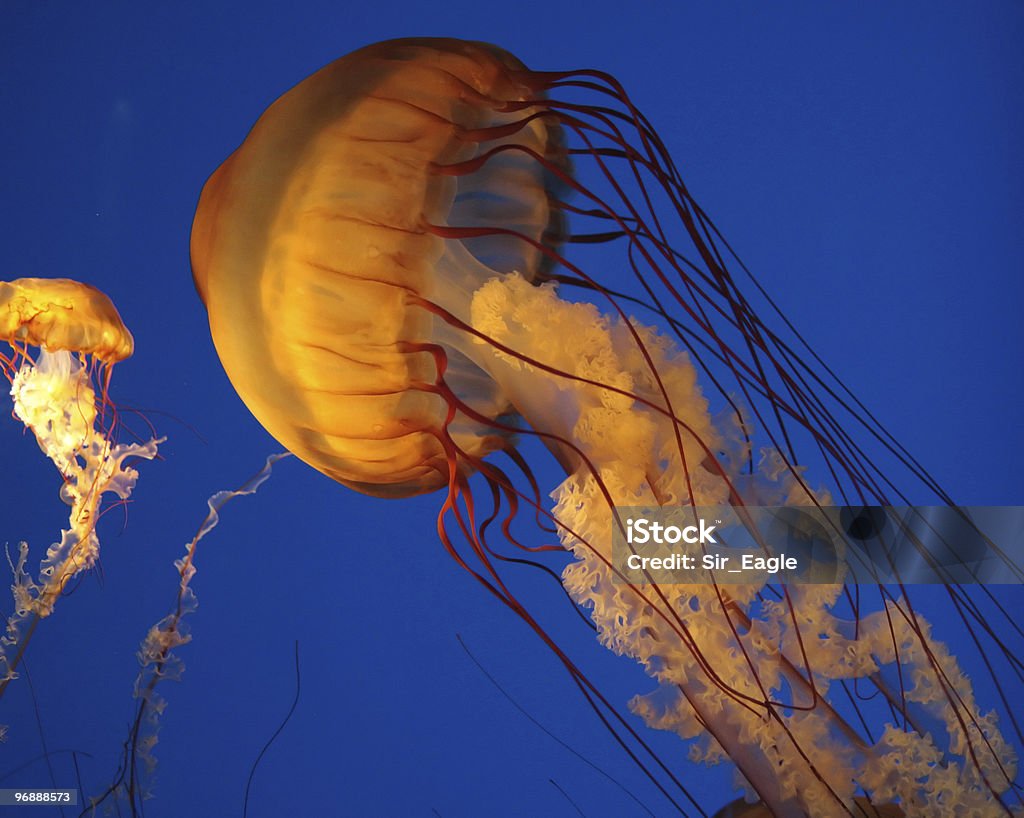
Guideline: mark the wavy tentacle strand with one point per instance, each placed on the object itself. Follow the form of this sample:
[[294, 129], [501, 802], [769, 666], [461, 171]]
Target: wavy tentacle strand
[[159, 661]]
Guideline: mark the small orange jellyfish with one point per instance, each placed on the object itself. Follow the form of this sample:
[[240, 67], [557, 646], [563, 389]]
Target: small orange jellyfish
[[381, 261], [60, 394]]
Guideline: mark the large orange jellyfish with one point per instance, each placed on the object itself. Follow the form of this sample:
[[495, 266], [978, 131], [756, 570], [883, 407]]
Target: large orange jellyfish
[[381, 262]]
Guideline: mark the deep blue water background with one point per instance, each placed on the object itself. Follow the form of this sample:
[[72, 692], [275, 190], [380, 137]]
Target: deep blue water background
[[866, 164]]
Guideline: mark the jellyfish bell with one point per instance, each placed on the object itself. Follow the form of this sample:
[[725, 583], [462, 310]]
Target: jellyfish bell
[[379, 261], [314, 272], [61, 314]]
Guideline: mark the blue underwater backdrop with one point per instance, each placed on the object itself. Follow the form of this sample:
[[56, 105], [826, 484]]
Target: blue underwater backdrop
[[864, 162]]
